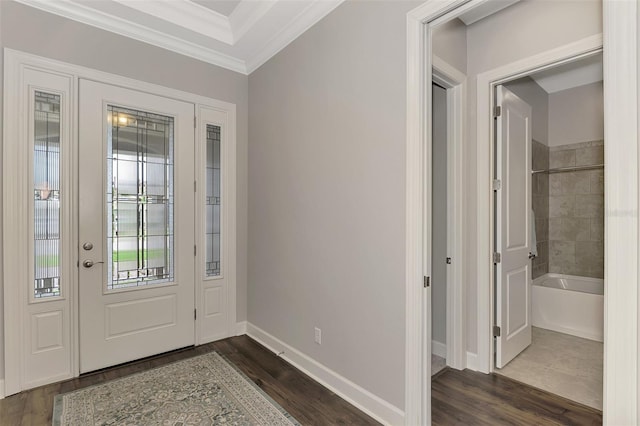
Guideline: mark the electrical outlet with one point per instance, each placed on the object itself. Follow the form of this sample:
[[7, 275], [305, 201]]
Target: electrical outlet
[[318, 336]]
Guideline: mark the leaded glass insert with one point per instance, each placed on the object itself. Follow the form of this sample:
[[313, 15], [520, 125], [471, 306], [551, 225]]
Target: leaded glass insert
[[46, 194], [140, 232], [212, 202]]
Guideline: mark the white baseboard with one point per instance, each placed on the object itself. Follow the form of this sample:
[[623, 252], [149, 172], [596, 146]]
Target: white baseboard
[[364, 400], [439, 349], [1, 388], [472, 361], [241, 328]]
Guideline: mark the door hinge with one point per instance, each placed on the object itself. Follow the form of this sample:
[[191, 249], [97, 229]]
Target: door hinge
[[497, 257], [448, 261], [195, 314], [195, 186], [195, 250], [427, 282], [194, 122], [497, 111], [496, 184], [496, 331]]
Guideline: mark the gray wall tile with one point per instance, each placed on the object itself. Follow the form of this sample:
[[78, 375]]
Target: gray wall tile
[[565, 158], [590, 156], [589, 206], [597, 182], [597, 229], [561, 206], [569, 183], [576, 210]]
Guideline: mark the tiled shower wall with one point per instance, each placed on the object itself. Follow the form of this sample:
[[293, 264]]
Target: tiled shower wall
[[576, 211], [540, 191]]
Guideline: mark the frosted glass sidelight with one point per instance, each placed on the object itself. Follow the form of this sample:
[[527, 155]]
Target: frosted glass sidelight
[[139, 198], [46, 194], [213, 202]]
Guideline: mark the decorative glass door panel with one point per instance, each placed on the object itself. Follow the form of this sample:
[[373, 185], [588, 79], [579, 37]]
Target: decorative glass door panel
[[213, 201], [46, 195], [139, 198], [136, 227]]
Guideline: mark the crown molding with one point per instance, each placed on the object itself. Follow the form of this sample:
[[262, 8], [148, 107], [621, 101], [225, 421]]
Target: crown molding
[[187, 14], [313, 13], [99, 19], [206, 22], [246, 15]]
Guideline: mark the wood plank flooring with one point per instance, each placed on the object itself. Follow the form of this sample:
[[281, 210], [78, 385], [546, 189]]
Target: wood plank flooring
[[472, 398], [459, 397], [306, 400]]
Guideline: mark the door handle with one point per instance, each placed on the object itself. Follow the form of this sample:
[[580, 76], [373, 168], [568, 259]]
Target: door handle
[[532, 256], [89, 263]]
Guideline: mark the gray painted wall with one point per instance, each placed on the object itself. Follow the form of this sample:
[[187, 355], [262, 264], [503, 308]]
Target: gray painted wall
[[439, 219], [510, 35], [450, 44], [576, 115], [530, 92], [29, 30], [327, 194]]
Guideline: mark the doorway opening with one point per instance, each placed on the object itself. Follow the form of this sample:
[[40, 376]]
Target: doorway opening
[[549, 230]]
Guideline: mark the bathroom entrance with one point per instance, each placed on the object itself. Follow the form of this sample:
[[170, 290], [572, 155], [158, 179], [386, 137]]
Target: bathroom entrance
[[549, 230]]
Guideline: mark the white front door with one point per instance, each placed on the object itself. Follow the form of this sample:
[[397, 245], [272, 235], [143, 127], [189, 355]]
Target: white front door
[[513, 216], [136, 229]]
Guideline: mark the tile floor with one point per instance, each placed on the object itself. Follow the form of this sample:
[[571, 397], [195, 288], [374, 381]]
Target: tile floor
[[565, 365]]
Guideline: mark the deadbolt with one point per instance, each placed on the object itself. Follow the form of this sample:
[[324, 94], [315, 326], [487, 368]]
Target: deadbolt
[[87, 246]]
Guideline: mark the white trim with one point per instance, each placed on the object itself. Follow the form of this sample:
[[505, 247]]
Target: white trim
[[439, 349], [189, 15], [417, 221], [484, 175], [361, 398], [246, 15], [2, 389], [14, 312], [314, 12], [208, 23], [622, 378], [621, 351], [455, 82], [241, 328], [90, 16], [472, 361]]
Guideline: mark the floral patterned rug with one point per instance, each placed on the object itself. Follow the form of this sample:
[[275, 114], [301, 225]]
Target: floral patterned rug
[[204, 390]]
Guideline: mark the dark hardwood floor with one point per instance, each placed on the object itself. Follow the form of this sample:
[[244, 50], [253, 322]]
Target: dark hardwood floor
[[472, 398], [458, 397], [306, 400]]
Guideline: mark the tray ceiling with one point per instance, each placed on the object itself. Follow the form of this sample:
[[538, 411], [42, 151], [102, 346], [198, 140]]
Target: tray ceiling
[[239, 35]]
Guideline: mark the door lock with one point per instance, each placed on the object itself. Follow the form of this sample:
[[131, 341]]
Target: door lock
[[87, 246], [89, 263]]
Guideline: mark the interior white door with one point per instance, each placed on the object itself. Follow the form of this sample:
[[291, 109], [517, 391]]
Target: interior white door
[[136, 230], [513, 215]]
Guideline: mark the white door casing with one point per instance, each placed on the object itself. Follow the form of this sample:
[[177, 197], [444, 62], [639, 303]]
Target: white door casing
[[56, 342], [123, 324], [215, 214], [513, 217]]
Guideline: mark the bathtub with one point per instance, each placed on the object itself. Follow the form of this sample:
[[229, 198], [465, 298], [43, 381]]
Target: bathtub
[[569, 304]]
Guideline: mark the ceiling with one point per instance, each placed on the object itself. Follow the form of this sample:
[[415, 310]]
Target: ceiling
[[239, 35], [570, 75]]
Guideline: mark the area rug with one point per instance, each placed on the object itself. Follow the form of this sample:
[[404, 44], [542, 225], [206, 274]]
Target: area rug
[[204, 390]]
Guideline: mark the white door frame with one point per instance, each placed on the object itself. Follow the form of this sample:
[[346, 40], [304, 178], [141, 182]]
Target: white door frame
[[487, 82], [455, 83], [622, 300], [15, 262]]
